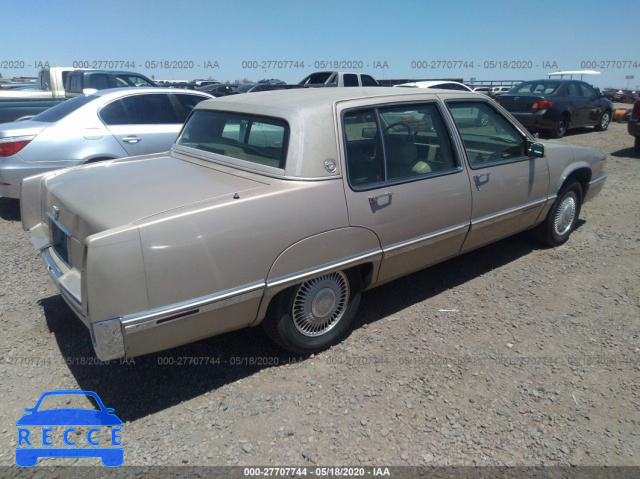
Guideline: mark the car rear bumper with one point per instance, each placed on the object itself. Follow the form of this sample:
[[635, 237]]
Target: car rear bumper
[[163, 328], [535, 120]]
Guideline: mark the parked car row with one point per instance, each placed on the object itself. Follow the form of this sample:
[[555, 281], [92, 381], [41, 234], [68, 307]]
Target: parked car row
[[160, 250]]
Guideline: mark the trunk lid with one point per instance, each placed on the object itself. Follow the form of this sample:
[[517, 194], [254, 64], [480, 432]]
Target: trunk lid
[[106, 195], [22, 128]]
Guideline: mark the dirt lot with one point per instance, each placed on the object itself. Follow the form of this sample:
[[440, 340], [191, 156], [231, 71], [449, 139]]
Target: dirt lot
[[514, 354]]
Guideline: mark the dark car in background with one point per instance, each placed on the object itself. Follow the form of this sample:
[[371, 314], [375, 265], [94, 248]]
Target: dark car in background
[[248, 88], [555, 106], [218, 90], [625, 96]]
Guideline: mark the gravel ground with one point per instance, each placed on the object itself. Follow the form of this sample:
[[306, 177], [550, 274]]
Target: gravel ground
[[513, 354]]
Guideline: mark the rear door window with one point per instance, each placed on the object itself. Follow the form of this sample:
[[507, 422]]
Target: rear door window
[[186, 103], [148, 109], [392, 144], [114, 114]]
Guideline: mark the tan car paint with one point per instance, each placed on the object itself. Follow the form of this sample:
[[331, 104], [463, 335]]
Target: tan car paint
[[169, 249]]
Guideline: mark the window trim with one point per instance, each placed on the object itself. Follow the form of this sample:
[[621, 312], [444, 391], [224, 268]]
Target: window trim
[[446, 122], [128, 114]]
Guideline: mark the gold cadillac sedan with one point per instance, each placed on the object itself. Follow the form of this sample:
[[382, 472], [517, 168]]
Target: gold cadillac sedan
[[279, 208]]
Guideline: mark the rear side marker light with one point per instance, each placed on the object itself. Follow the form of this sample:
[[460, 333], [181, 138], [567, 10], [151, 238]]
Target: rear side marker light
[[11, 146], [177, 316]]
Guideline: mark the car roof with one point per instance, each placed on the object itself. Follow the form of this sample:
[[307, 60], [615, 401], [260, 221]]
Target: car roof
[[553, 80], [310, 114], [431, 84], [115, 92], [305, 99]]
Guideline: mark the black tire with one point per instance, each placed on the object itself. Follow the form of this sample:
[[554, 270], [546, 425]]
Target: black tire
[[561, 127], [294, 321], [636, 144], [605, 119], [562, 217]]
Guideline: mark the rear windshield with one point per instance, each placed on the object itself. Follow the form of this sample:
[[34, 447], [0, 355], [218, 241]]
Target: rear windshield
[[536, 87], [63, 109], [256, 139]]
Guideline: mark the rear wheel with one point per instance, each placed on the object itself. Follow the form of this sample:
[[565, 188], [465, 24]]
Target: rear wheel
[[313, 315], [562, 218], [561, 126], [604, 121]]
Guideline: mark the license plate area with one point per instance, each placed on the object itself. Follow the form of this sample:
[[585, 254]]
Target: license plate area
[[60, 239]]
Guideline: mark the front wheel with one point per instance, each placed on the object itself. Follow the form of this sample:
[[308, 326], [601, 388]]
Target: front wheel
[[562, 218], [636, 144], [604, 121], [312, 316]]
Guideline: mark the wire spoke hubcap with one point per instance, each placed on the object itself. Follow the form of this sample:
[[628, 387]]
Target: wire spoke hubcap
[[320, 303]]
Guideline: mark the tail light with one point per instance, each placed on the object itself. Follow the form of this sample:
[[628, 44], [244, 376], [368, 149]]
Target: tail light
[[540, 105], [11, 146], [497, 101], [635, 114]]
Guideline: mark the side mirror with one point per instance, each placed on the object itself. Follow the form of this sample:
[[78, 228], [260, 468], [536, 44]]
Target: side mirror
[[535, 149]]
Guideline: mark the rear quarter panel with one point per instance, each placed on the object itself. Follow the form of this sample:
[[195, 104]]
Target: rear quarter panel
[[229, 243]]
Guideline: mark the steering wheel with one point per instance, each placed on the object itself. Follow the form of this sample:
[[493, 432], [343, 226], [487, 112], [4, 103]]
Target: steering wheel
[[401, 123]]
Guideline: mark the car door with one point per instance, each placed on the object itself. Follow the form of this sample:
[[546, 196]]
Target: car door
[[405, 181], [578, 104], [142, 123], [593, 106], [509, 185]]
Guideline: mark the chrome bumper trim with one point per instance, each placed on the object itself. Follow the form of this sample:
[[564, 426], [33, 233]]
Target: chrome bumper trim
[[108, 340], [55, 274]]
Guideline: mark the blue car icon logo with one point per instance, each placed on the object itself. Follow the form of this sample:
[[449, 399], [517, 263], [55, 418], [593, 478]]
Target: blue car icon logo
[[66, 422]]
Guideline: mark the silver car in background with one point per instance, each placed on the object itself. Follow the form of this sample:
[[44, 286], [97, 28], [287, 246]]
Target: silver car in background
[[108, 124]]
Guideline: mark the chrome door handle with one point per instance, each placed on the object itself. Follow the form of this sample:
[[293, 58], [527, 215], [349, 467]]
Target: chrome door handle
[[131, 139], [481, 180], [373, 200]]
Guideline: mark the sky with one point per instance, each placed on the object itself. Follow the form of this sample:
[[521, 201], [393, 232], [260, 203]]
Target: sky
[[288, 39]]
